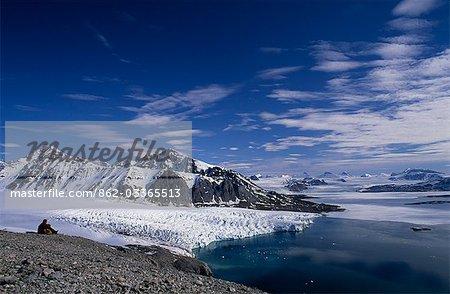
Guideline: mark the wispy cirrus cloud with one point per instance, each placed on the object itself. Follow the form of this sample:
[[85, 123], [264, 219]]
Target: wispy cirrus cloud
[[230, 148], [336, 65], [410, 24], [183, 133], [373, 134], [412, 38], [391, 111], [278, 73], [177, 106], [396, 50], [102, 79], [84, 97], [413, 129], [105, 42], [291, 141], [273, 50], [151, 119], [333, 57], [247, 123], [99, 36], [9, 145], [192, 101], [237, 165], [415, 7], [285, 95], [398, 74], [22, 107]]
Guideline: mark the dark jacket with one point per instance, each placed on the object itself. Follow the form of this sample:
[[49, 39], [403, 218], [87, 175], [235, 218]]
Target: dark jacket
[[44, 228]]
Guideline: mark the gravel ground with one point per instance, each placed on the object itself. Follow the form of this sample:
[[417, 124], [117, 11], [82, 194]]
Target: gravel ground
[[32, 263]]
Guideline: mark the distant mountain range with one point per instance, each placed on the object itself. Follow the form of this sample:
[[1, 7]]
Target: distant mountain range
[[210, 185], [298, 185], [424, 180], [430, 181], [436, 185], [416, 174], [328, 175]]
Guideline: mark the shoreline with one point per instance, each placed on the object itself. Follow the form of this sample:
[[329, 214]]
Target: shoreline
[[338, 255], [196, 252], [117, 239], [179, 230], [410, 225], [54, 263]]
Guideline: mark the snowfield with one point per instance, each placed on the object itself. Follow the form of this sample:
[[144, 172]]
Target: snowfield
[[184, 228], [382, 206]]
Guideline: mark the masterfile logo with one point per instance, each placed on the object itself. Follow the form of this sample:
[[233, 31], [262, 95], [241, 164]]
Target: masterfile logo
[[93, 164]]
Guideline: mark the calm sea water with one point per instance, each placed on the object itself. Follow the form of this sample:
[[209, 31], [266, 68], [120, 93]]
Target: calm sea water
[[338, 255]]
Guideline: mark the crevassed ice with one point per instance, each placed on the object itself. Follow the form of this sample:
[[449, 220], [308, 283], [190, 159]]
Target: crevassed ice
[[187, 228]]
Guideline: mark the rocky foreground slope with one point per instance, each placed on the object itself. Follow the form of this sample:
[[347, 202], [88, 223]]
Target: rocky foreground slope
[[32, 263]]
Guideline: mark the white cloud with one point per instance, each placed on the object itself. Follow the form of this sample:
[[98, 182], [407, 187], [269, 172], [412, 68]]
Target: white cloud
[[179, 142], [9, 145], [26, 108], [177, 106], [415, 7], [437, 66], [290, 95], [146, 119], [336, 65], [97, 132], [394, 50], [291, 141], [100, 37], [334, 56], [247, 123], [96, 79], [410, 122], [398, 76], [237, 165], [409, 24], [274, 50], [296, 154], [392, 111], [84, 97], [368, 133], [195, 99], [277, 73], [181, 133], [406, 39], [105, 42], [331, 54]]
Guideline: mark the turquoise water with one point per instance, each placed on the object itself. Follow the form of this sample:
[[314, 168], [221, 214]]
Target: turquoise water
[[338, 255]]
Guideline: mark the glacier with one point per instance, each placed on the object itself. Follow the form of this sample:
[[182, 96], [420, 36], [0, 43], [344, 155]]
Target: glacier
[[183, 229]]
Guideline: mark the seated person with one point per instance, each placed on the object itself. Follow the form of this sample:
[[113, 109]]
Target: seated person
[[45, 228]]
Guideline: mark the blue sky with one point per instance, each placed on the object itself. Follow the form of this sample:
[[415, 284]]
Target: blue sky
[[270, 86]]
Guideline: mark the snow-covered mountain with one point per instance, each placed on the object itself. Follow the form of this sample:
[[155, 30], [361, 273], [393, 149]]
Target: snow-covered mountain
[[295, 185], [328, 175], [298, 185], [442, 184], [255, 177], [416, 174], [210, 185], [425, 180]]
